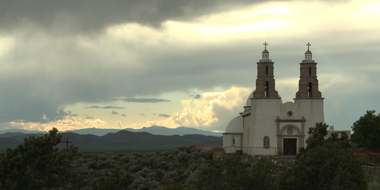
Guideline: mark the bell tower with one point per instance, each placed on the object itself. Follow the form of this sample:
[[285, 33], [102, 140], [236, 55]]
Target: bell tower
[[308, 83], [265, 83]]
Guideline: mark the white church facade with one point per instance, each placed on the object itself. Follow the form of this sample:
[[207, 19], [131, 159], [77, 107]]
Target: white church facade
[[267, 126]]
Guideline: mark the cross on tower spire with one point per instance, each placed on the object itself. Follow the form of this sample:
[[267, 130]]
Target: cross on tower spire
[[265, 44], [308, 45]]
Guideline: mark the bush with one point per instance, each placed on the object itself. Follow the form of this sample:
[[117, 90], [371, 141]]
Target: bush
[[170, 177], [144, 172], [134, 168], [233, 172], [116, 180], [183, 156]]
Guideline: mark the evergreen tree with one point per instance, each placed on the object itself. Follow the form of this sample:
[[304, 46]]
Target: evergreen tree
[[37, 164], [326, 163]]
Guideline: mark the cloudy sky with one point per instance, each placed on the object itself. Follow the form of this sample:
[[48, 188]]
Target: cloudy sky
[[135, 63]]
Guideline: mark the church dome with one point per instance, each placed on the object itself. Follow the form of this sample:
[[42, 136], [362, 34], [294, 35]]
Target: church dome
[[265, 51], [235, 125], [308, 52], [248, 103]]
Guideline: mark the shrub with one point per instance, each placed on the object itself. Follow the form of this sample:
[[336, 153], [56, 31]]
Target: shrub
[[170, 177], [183, 156], [144, 172]]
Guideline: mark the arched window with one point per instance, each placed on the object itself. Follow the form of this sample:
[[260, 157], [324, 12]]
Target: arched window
[[310, 90], [266, 142], [233, 140], [309, 70], [266, 70], [266, 89]]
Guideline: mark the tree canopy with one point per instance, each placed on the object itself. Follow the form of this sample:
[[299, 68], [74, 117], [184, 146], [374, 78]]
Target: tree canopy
[[37, 164], [367, 131], [326, 163]]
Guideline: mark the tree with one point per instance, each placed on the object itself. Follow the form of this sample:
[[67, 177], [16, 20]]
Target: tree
[[37, 164], [367, 131], [326, 163]]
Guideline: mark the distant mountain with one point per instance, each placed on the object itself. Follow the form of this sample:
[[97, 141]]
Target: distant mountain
[[20, 131], [94, 131], [121, 141], [157, 130], [154, 130]]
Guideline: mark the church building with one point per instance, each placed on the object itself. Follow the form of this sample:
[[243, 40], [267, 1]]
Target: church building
[[267, 126]]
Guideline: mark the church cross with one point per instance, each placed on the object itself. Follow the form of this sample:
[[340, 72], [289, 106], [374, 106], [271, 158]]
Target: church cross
[[67, 143], [308, 45], [265, 44]]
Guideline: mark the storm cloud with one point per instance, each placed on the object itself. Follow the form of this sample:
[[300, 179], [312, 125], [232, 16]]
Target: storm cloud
[[54, 54], [106, 107], [145, 100], [92, 16]]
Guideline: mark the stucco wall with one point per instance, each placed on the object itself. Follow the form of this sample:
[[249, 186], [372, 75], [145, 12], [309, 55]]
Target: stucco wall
[[228, 145], [312, 111], [262, 123]]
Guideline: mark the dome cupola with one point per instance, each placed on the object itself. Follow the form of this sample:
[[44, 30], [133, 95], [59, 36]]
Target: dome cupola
[[265, 56], [308, 54]]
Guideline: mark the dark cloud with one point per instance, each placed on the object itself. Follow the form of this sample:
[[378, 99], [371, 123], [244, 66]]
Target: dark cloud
[[163, 115], [106, 107], [88, 117], [197, 96], [123, 115], [96, 107], [145, 100], [94, 15], [113, 107], [114, 113], [74, 114]]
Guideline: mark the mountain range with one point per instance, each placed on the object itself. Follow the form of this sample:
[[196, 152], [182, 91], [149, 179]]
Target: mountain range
[[155, 130], [121, 140]]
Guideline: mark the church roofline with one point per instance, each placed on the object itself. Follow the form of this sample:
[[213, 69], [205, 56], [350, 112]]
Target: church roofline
[[309, 98]]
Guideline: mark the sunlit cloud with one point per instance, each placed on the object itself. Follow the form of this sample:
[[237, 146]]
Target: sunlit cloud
[[203, 112], [97, 123], [7, 43]]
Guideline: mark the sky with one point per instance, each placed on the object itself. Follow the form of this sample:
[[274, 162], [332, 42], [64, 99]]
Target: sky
[[138, 63]]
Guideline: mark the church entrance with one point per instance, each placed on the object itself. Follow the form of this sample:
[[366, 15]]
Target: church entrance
[[290, 146]]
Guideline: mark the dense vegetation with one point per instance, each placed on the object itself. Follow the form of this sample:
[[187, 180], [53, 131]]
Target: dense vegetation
[[367, 131], [36, 164], [324, 164]]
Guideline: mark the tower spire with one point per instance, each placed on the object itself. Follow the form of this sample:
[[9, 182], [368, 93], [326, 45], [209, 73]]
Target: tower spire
[[265, 83], [308, 83]]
